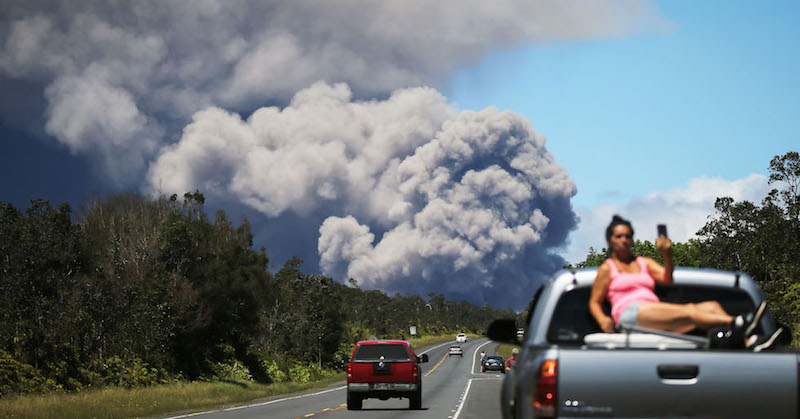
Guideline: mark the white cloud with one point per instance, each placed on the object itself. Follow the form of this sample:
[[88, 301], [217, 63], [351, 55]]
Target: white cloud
[[685, 210], [321, 149]]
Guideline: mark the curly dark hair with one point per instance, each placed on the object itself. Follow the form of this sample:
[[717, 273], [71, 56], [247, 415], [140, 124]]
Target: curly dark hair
[[615, 221]]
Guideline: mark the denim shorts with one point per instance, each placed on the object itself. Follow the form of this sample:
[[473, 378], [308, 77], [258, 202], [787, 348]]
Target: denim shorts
[[629, 317]]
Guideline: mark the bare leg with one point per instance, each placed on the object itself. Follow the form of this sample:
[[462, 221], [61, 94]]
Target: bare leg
[[711, 307], [681, 318]]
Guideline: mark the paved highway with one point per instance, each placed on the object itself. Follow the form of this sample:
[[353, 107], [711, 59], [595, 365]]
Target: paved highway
[[452, 387]]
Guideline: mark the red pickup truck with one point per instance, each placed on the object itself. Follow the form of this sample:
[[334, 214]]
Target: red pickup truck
[[384, 369]]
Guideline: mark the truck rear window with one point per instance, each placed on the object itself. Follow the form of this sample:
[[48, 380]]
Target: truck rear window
[[572, 320], [390, 352]]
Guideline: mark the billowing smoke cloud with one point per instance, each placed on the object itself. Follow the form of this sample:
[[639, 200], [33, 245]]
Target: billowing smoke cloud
[[685, 210], [119, 76], [421, 197]]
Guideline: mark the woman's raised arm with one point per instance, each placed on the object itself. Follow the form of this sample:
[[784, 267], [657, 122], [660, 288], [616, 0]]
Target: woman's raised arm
[[662, 274]]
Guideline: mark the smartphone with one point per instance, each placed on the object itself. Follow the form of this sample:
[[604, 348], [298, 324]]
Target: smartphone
[[662, 230]]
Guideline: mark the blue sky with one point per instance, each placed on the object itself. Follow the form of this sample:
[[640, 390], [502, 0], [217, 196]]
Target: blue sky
[[330, 136], [715, 95]]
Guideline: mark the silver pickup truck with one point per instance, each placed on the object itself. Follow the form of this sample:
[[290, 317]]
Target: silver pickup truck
[[568, 368]]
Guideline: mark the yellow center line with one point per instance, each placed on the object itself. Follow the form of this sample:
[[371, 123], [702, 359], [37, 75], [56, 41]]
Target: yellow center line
[[327, 409], [436, 366]]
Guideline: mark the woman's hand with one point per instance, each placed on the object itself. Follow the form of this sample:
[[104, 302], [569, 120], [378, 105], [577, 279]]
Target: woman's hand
[[663, 244], [607, 324], [657, 272]]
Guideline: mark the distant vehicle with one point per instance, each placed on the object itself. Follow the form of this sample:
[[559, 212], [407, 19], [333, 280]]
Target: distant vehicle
[[461, 338], [520, 333], [456, 350], [493, 363], [384, 369]]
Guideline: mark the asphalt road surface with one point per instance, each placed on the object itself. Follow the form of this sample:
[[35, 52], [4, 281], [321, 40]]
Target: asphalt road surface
[[452, 387]]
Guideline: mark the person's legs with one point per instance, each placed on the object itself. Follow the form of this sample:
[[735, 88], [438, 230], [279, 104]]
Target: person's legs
[[630, 316], [711, 307], [749, 321], [681, 318]]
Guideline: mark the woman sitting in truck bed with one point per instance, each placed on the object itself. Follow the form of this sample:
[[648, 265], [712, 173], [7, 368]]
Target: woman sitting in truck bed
[[629, 282]]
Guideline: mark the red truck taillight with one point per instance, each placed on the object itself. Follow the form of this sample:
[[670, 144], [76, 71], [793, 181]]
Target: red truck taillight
[[544, 401], [414, 370], [349, 371]]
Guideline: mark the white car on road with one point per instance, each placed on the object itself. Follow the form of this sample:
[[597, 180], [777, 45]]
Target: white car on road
[[455, 350], [461, 338]]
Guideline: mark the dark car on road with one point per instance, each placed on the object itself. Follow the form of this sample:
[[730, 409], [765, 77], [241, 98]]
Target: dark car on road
[[493, 363]]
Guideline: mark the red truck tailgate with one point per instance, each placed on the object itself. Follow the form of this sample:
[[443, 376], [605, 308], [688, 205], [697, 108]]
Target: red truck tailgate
[[399, 372]]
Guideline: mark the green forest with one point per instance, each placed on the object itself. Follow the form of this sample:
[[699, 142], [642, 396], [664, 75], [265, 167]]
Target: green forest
[[136, 290], [139, 291]]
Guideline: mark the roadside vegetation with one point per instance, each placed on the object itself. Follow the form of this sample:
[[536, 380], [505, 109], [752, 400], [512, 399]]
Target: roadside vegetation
[[118, 402], [137, 291], [505, 349], [163, 399]]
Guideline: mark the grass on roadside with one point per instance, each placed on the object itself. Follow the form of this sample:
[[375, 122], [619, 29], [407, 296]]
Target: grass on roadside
[[504, 350], [115, 402], [429, 341]]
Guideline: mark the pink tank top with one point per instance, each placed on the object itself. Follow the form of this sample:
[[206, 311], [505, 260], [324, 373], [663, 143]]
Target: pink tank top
[[627, 288]]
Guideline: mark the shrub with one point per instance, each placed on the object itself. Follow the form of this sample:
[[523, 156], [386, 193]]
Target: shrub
[[299, 373], [17, 377], [319, 373], [256, 365], [274, 372], [223, 352], [91, 378], [232, 371], [130, 372], [304, 373]]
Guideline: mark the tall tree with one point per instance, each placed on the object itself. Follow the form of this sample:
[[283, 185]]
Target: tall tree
[[762, 240]]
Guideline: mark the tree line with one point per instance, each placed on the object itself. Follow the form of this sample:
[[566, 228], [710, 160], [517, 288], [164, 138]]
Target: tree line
[[140, 290], [761, 239]]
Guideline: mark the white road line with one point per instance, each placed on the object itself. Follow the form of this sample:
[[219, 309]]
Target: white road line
[[257, 404], [437, 346], [463, 399], [475, 354], [278, 400]]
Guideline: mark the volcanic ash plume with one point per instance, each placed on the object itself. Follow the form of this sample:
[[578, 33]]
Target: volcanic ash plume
[[418, 196]]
